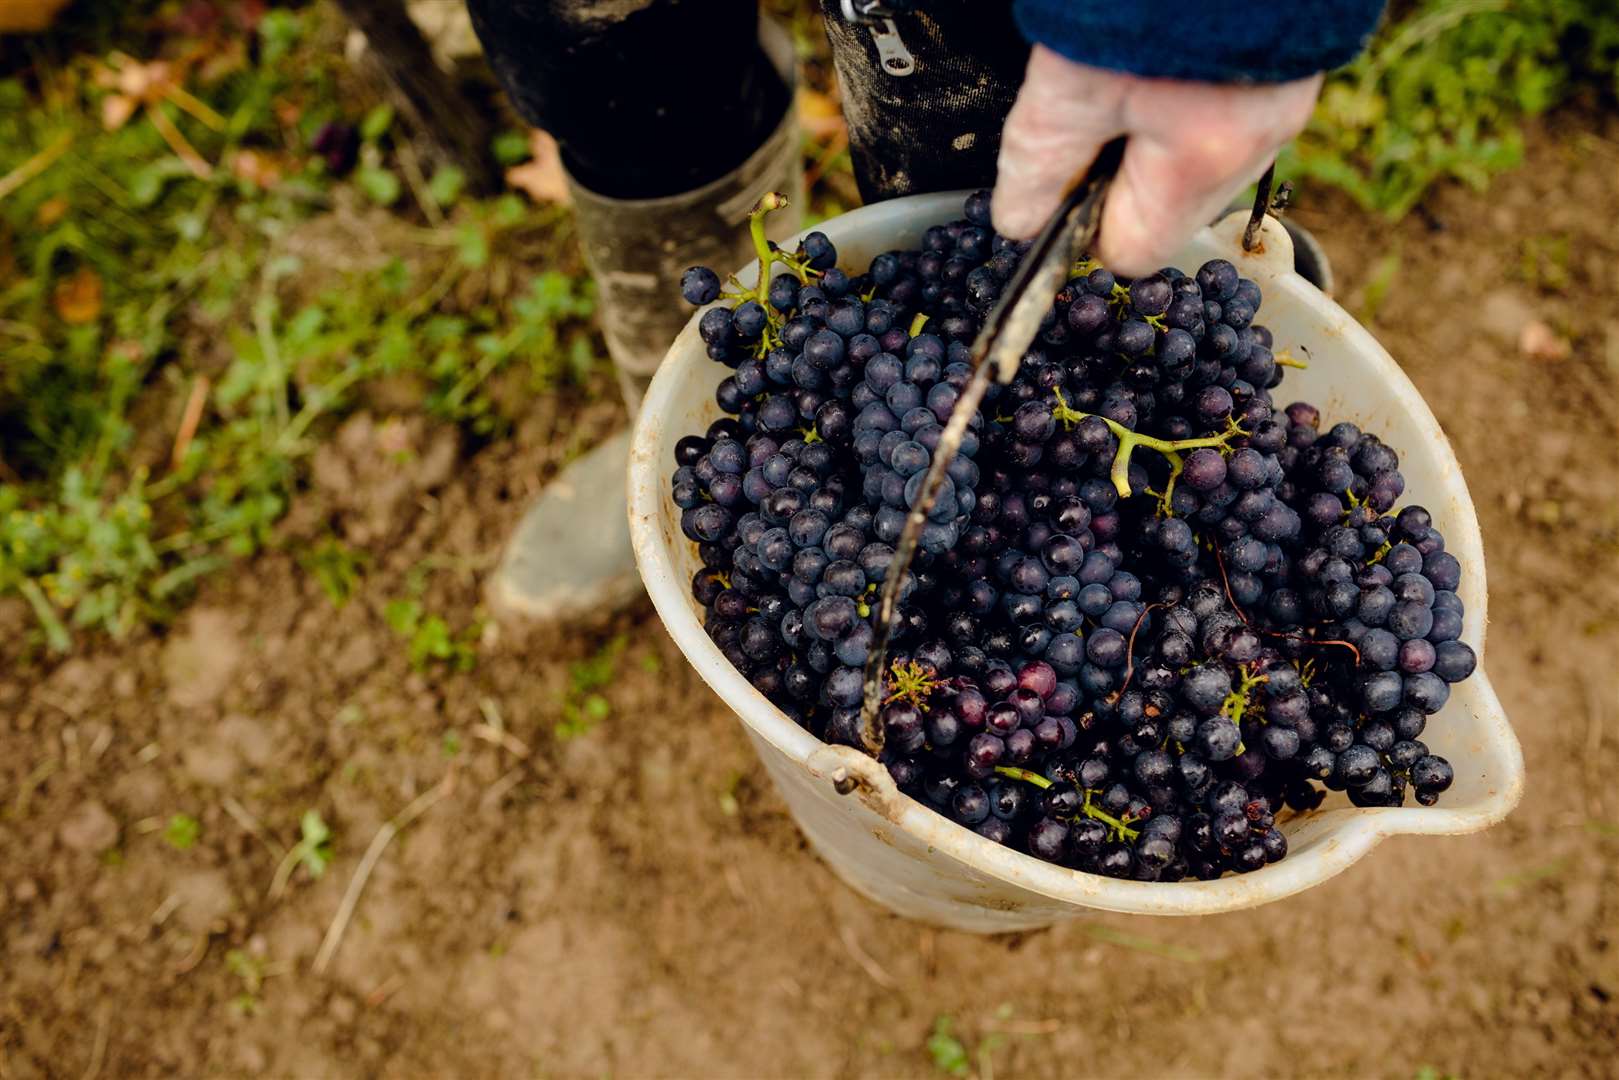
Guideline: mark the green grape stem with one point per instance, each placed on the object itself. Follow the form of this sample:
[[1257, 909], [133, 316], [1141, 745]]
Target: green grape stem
[[1025, 775], [1129, 440], [1120, 827], [1236, 702]]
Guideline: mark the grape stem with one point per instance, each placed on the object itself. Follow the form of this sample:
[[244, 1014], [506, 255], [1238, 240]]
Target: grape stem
[[1129, 440], [769, 254], [1219, 558], [1236, 702], [1025, 775], [1120, 827], [1130, 652]]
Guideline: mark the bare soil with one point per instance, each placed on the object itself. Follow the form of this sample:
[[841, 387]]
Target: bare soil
[[635, 901]]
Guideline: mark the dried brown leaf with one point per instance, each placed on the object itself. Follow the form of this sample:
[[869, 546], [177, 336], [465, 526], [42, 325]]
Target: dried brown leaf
[[541, 178], [77, 297]]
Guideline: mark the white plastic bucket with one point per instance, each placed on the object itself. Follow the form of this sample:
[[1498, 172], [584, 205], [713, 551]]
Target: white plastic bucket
[[905, 856]]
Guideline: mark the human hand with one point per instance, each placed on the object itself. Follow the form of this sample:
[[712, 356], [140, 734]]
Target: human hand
[[1192, 146]]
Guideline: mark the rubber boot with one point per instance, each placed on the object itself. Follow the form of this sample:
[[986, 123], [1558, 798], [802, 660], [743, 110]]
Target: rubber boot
[[570, 557], [638, 248]]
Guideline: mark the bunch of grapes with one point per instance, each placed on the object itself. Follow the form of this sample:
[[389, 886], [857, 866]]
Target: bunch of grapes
[[1150, 611]]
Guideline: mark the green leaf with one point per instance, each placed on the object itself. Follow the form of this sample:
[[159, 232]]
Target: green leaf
[[403, 616], [182, 832], [395, 276], [147, 183], [948, 1053], [380, 186], [314, 848], [446, 185], [377, 122], [279, 31], [472, 246], [510, 147]]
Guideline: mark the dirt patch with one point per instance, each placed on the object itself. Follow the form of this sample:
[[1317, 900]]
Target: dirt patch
[[635, 901]]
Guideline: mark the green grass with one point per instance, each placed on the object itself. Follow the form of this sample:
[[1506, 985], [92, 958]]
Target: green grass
[[1443, 91], [584, 706], [174, 343], [170, 353], [182, 832], [429, 637]]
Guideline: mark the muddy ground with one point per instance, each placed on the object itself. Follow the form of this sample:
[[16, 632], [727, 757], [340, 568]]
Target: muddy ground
[[634, 900]]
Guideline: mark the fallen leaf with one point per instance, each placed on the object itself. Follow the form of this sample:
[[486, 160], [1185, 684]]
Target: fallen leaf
[[145, 81], [225, 57], [77, 297], [819, 114], [1540, 342], [116, 109], [50, 211], [256, 168], [541, 178], [28, 16]]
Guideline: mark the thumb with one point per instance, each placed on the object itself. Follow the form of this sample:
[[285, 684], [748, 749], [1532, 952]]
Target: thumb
[[1063, 115]]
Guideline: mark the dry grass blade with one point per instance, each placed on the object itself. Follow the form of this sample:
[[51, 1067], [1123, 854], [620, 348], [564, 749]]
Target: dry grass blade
[[864, 959], [35, 165], [390, 829], [247, 821], [189, 420], [98, 1051]]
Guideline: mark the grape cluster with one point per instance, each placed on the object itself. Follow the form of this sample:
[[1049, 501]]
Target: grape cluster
[[1150, 610]]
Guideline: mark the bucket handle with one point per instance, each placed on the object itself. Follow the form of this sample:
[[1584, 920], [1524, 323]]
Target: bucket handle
[[1007, 331], [852, 772]]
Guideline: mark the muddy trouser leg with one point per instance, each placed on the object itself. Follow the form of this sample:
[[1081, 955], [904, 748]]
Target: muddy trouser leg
[[938, 127], [673, 117]]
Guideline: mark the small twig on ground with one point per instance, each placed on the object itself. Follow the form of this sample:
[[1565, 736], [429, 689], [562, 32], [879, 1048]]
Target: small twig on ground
[[384, 990], [99, 744], [177, 142], [1024, 1027], [500, 737], [864, 959], [35, 165], [501, 788], [247, 821], [32, 781], [283, 872], [391, 828], [165, 909], [189, 421], [412, 166], [1596, 716], [733, 882], [98, 1051], [198, 951]]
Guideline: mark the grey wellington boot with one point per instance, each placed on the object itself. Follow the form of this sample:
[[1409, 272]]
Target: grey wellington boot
[[570, 556]]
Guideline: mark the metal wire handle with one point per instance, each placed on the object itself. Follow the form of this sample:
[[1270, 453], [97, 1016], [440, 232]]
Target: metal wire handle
[[1008, 331]]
